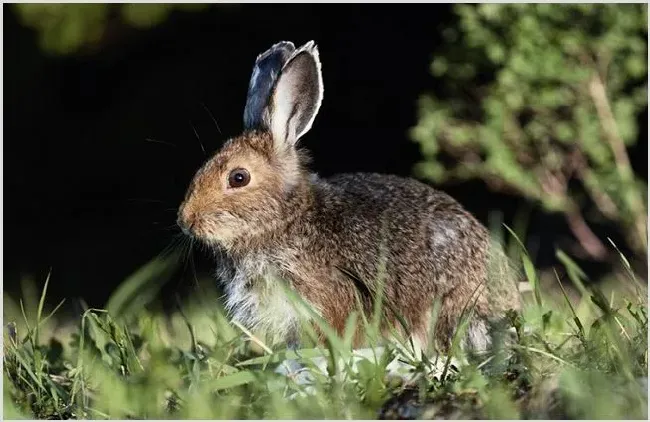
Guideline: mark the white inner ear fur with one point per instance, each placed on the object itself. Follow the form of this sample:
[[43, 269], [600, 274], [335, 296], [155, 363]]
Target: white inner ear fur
[[297, 96]]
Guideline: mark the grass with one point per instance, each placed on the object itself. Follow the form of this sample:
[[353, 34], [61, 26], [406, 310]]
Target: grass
[[584, 357]]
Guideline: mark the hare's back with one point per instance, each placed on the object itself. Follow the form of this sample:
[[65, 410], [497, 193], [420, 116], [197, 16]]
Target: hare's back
[[405, 195], [419, 217], [430, 236], [433, 244]]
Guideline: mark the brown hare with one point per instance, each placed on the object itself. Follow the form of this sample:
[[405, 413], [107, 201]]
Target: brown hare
[[334, 240]]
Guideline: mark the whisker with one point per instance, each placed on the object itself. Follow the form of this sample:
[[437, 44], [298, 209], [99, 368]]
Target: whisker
[[181, 241], [145, 200], [156, 141], [197, 138], [196, 279], [173, 245], [173, 227], [170, 227], [190, 249], [186, 253], [213, 119]]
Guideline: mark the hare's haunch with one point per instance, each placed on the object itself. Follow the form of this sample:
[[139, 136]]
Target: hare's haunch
[[336, 241]]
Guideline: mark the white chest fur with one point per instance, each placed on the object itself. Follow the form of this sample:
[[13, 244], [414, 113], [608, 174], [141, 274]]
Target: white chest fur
[[255, 298]]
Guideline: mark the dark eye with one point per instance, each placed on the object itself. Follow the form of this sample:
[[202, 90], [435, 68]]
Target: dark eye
[[238, 178]]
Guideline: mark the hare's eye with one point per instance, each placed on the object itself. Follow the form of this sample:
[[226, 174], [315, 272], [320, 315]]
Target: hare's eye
[[238, 178]]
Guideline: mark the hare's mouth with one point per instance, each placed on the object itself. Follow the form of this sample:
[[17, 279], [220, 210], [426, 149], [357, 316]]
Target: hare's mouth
[[186, 225], [192, 226], [213, 228]]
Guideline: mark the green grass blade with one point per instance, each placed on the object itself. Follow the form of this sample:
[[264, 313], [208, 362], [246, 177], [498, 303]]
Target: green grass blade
[[463, 323], [581, 329], [286, 354], [41, 304], [529, 268], [575, 273], [29, 336], [233, 380], [140, 289]]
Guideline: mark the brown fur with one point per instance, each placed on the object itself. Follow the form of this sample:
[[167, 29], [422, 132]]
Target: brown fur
[[310, 228], [336, 241]]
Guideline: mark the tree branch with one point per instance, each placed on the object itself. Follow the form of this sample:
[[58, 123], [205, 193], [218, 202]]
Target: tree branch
[[608, 122], [587, 239]]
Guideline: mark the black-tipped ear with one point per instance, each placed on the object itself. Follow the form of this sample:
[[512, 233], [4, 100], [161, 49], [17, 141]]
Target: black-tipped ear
[[268, 66], [297, 96]]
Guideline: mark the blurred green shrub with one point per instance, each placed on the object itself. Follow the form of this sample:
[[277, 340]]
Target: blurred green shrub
[[542, 100], [66, 28]]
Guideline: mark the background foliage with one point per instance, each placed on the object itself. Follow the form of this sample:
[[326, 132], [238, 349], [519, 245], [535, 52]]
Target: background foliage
[[543, 101], [537, 99], [585, 358], [68, 28]]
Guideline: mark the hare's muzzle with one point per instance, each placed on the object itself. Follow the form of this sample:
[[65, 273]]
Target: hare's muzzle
[[185, 220]]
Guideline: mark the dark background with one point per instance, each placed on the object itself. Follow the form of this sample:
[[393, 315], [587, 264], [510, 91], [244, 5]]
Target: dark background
[[87, 195]]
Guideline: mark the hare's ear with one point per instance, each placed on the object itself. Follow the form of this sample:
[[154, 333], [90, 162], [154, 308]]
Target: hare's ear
[[268, 66], [297, 96]]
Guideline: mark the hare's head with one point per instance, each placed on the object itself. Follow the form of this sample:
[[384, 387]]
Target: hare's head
[[250, 186]]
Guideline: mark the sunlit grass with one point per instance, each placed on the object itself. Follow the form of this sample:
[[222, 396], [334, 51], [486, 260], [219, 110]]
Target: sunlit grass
[[579, 357]]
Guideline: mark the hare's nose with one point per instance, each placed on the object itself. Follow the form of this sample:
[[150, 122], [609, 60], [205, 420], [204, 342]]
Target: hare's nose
[[185, 228], [185, 225], [185, 221]]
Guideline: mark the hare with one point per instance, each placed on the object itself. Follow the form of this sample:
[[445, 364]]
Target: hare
[[335, 241]]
